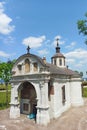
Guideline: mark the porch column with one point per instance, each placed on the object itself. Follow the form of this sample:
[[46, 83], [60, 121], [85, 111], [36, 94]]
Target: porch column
[[57, 105], [14, 104], [42, 106]]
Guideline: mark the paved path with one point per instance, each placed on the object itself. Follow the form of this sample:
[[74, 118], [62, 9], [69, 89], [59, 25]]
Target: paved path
[[73, 119]]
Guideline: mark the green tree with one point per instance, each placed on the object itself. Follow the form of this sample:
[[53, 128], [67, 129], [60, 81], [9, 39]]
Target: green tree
[[86, 72], [81, 73], [5, 74], [82, 27]]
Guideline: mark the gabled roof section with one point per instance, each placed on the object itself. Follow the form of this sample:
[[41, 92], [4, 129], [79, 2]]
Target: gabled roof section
[[71, 72], [53, 69], [62, 71], [30, 55]]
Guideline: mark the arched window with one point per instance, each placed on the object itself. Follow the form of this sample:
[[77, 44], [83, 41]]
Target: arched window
[[54, 61], [50, 89], [27, 65], [60, 62], [35, 67], [63, 95], [64, 62]]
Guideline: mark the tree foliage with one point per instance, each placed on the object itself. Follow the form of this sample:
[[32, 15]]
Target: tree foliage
[[5, 70], [5, 74], [84, 83], [82, 27]]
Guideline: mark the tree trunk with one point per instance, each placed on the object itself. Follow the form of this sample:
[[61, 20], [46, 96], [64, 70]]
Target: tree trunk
[[6, 94]]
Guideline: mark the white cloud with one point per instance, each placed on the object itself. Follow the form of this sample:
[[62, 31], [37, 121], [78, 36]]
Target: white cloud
[[34, 42], [3, 54], [5, 20], [60, 41], [58, 37], [43, 52], [68, 60], [71, 45], [78, 65], [78, 53], [9, 40], [77, 59], [47, 42], [1, 6]]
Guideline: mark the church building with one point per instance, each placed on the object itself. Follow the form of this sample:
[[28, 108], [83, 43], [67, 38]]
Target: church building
[[43, 89]]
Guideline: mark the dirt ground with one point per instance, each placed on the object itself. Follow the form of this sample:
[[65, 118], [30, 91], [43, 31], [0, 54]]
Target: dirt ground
[[74, 119]]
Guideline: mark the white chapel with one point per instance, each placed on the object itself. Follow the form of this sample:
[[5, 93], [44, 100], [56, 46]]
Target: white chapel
[[45, 89]]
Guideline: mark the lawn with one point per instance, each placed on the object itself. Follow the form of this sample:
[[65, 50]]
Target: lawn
[[84, 92], [3, 100], [3, 87], [3, 104]]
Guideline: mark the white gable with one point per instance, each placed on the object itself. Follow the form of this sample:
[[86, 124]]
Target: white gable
[[27, 65]]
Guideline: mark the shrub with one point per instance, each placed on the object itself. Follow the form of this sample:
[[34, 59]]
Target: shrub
[[84, 83], [2, 87]]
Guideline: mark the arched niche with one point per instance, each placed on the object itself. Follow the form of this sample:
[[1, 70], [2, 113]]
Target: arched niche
[[27, 98], [27, 65]]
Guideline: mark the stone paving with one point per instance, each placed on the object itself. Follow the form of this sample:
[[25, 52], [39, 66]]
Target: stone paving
[[74, 119]]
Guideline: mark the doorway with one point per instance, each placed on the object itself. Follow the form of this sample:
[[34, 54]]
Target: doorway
[[28, 101]]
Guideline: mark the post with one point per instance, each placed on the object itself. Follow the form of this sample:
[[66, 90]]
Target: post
[[43, 108], [6, 94]]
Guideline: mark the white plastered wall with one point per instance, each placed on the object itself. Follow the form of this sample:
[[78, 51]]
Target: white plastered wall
[[76, 92], [57, 107]]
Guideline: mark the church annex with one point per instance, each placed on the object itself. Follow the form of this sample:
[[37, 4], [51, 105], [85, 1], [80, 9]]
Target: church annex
[[45, 89]]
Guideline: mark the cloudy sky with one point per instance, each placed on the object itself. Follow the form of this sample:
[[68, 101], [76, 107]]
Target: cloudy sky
[[38, 23]]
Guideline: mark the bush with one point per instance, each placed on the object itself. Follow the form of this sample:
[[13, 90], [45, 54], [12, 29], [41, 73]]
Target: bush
[[3, 87], [84, 83]]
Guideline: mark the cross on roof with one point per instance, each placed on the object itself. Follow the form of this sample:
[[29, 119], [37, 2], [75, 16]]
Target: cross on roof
[[28, 49], [57, 41], [57, 48]]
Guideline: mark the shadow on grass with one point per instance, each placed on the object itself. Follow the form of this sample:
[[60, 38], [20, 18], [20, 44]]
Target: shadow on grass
[[3, 106]]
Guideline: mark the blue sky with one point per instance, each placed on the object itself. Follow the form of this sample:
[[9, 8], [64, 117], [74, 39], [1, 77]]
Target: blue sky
[[38, 23]]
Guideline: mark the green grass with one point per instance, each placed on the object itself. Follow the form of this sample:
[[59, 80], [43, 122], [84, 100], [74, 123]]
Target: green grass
[[3, 104], [3, 87], [84, 92]]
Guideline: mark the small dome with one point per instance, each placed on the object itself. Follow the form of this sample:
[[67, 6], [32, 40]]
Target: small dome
[[58, 59], [58, 55]]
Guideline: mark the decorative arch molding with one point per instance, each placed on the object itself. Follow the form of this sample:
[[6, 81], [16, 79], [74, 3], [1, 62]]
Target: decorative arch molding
[[36, 86]]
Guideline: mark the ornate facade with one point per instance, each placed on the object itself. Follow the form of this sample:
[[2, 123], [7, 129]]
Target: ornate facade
[[45, 89]]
